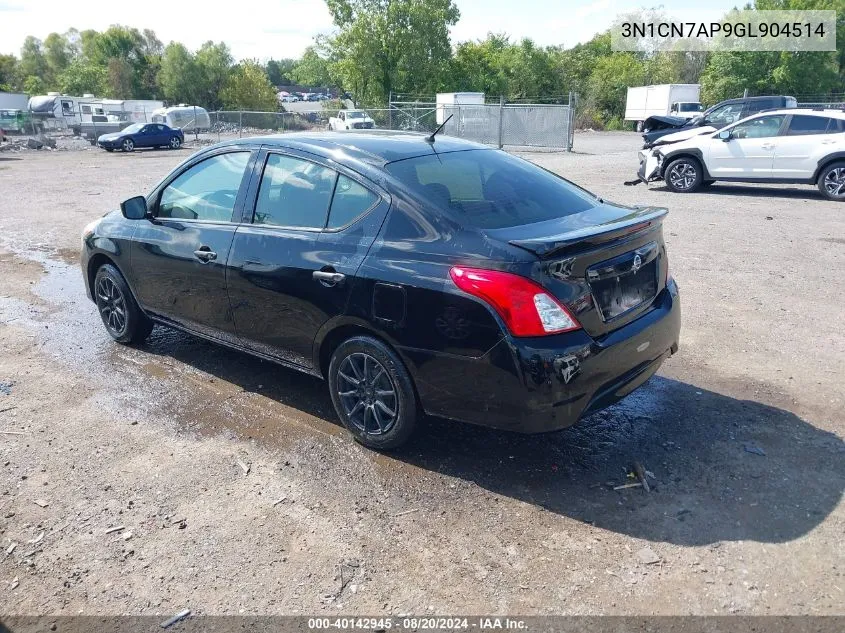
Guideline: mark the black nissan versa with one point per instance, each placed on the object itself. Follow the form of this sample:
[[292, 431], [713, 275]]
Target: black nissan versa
[[414, 273]]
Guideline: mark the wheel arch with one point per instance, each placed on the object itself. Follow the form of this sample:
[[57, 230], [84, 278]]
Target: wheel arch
[[827, 160], [331, 335], [692, 152]]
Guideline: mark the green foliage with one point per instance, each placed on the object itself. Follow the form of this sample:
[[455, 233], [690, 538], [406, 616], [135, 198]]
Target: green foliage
[[311, 69], [83, 77], [279, 72], [386, 46], [9, 72], [179, 74], [248, 88]]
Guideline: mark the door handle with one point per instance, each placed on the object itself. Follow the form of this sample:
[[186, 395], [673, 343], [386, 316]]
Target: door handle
[[205, 254], [328, 277], [768, 146]]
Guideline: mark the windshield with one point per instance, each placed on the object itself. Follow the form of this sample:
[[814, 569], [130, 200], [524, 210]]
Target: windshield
[[691, 107], [132, 129], [355, 115], [490, 189]]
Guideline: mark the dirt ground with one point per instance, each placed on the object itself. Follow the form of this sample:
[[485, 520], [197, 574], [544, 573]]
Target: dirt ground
[[743, 431]]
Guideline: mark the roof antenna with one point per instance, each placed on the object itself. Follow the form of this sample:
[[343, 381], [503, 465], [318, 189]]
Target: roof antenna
[[430, 139]]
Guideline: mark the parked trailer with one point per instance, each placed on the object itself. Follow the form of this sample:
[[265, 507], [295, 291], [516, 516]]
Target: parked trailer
[[681, 100], [184, 117]]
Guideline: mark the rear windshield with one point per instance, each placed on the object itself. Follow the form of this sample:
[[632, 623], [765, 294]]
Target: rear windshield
[[491, 189]]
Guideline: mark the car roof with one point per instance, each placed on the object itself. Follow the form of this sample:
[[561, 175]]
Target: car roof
[[747, 99], [377, 147], [830, 113]]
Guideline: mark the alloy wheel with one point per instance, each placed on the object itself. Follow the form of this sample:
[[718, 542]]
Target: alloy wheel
[[128, 145], [112, 305], [834, 182], [367, 393], [175, 142], [682, 175]]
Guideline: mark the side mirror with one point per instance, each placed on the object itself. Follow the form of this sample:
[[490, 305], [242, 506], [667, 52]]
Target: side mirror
[[134, 208], [725, 135]]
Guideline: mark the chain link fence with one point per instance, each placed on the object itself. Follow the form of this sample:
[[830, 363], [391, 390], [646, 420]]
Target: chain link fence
[[498, 124]]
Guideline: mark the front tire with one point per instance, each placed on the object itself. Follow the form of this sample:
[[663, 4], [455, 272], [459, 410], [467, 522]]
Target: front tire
[[831, 182], [683, 175], [128, 145], [118, 309], [175, 142], [372, 393]]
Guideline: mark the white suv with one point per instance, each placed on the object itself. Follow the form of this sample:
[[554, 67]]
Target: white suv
[[778, 146]]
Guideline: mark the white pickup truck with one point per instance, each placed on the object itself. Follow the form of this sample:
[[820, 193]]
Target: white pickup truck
[[351, 120]]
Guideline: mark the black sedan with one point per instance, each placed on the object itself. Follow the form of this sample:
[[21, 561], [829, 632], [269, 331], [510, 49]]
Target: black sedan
[[414, 275], [142, 135]]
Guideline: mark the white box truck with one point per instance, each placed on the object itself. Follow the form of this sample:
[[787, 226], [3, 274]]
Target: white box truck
[[446, 102], [677, 100]]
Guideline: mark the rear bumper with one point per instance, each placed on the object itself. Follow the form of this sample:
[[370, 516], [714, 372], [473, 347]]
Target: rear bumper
[[546, 384]]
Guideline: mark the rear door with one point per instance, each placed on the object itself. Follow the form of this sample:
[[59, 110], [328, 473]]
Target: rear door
[[178, 259], [749, 152], [806, 138], [306, 231]]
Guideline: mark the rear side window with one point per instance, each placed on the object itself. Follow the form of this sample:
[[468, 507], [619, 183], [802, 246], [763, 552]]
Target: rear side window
[[206, 191], [805, 124], [294, 193], [490, 189], [350, 201]]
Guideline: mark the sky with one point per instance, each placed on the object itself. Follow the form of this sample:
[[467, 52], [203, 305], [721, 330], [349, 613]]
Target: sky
[[252, 30]]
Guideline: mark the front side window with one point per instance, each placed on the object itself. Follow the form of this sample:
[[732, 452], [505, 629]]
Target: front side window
[[206, 191], [294, 193], [490, 189], [350, 201], [725, 115], [802, 125], [761, 127]]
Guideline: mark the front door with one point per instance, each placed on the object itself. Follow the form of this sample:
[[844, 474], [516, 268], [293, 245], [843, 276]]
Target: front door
[[178, 259], [749, 152], [292, 268]]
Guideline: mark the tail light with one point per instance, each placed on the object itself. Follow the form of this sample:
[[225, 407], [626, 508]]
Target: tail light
[[525, 307]]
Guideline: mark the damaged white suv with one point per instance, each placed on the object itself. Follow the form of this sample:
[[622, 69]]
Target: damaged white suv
[[778, 146]]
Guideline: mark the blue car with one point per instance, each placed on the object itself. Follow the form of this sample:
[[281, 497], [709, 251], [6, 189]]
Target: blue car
[[142, 135]]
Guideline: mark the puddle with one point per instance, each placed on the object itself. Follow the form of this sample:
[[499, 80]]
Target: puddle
[[203, 388], [209, 390]]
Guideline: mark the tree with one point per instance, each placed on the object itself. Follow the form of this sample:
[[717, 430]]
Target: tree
[[83, 77], [248, 88], [311, 69], [57, 56], [179, 75], [32, 64], [404, 44], [279, 71], [8, 73], [33, 85], [214, 64], [120, 78]]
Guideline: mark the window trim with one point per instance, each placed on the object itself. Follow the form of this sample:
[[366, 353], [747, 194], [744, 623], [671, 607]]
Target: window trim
[[339, 170], [154, 198]]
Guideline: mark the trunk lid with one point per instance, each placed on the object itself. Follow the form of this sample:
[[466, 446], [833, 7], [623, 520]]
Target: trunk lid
[[606, 264]]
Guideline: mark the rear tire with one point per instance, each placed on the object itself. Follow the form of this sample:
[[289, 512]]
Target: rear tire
[[118, 309], [831, 182], [683, 175], [372, 393]]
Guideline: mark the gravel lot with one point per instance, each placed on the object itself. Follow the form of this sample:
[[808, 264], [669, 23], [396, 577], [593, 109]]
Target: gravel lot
[[742, 430]]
